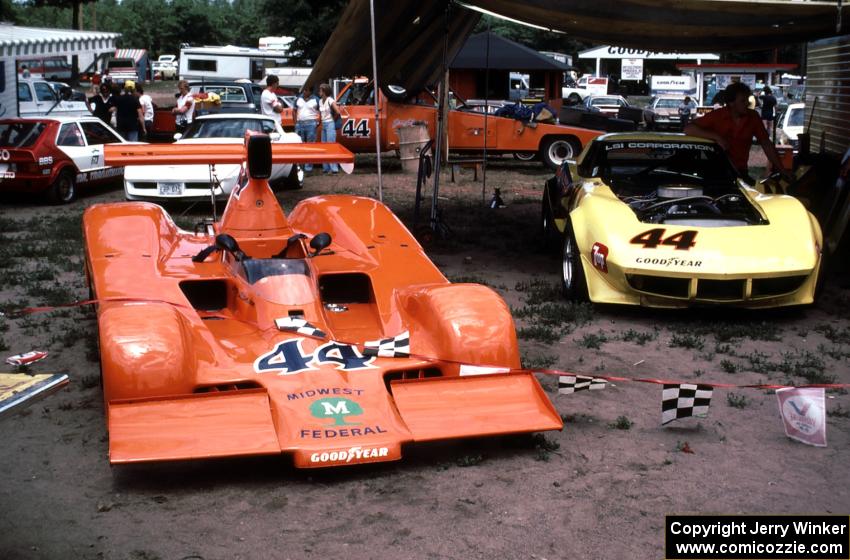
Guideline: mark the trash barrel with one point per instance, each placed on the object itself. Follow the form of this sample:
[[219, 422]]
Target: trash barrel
[[412, 138]]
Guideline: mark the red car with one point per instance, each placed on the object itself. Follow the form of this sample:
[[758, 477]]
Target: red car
[[54, 155]]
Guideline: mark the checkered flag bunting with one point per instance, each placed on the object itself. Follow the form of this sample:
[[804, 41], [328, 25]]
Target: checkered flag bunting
[[298, 325], [395, 347], [680, 400], [568, 384]]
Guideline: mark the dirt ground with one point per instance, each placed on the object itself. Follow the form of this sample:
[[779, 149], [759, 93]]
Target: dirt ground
[[594, 490]]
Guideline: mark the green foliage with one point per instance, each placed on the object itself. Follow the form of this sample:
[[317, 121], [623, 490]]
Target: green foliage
[[737, 401], [621, 423], [687, 340], [591, 340], [161, 25], [728, 366], [639, 337]]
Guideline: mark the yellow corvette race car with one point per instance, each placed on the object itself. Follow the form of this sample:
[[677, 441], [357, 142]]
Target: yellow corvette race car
[[662, 220]]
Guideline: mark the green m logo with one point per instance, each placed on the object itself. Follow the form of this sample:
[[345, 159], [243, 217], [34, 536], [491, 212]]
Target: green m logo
[[337, 409]]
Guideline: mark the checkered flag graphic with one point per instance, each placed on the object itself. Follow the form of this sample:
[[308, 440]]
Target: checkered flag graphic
[[683, 400], [395, 347], [298, 325], [568, 384]]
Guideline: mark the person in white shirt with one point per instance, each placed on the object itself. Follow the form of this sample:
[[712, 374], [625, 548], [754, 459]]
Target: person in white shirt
[[270, 105], [185, 108], [329, 111], [147, 108], [306, 117]]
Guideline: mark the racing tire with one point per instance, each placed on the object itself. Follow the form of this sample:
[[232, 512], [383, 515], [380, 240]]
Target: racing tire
[[525, 156], [555, 150], [64, 189], [549, 234], [295, 180], [573, 282], [395, 93]]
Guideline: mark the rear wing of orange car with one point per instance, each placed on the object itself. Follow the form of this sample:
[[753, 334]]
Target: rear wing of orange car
[[118, 155]]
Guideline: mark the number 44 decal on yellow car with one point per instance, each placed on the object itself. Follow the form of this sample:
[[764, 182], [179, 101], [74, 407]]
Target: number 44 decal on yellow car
[[652, 238]]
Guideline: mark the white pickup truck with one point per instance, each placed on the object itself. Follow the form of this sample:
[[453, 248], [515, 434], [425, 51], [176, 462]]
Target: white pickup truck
[[36, 98], [165, 66], [586, 85]]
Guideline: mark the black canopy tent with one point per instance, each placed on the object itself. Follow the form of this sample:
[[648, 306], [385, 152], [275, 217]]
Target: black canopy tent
[[414, 40], [410, 34], [501, 54]]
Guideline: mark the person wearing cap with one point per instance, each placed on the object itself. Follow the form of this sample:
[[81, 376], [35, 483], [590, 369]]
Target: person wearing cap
[[129, 116]]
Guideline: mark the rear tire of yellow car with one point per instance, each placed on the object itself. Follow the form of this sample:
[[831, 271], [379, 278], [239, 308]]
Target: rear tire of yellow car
[[555, 150], [64, 189], [549, 234], [573, 282]]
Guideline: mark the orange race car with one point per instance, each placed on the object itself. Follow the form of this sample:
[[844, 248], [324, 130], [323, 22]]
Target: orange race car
[[553, 144], [326, 334]]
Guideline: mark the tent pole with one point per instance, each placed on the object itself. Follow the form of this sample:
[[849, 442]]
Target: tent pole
[[486, 113], [377, 92], [441, 124]]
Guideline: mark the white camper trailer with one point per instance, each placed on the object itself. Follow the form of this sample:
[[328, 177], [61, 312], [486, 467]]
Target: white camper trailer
[[229, 63]]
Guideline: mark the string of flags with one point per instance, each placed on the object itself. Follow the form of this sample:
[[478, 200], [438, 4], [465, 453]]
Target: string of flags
[[802, 408]]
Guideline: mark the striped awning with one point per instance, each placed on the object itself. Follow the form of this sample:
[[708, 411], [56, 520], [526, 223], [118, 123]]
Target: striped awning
[[17, 41], [135, 54]]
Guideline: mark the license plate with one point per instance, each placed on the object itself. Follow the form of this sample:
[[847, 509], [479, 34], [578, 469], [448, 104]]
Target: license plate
[[170, 189]]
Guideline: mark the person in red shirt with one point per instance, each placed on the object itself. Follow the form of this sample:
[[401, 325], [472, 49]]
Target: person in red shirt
[[733, 128]]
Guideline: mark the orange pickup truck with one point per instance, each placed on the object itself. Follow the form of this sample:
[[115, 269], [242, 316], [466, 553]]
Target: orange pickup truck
[[552, 143]]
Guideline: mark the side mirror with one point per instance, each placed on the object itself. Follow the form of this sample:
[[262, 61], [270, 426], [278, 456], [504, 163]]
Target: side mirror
[[65, 93], [177, 136], [320, 242], [259, 156], [274, 136]]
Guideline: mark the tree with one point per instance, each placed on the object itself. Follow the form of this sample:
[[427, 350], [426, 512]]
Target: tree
[[311, 22]]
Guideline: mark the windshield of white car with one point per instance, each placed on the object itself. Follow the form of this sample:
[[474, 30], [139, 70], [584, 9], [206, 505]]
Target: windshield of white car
[[637, 166], [227, 128], [668, 104], [795, 118], [20, 134]]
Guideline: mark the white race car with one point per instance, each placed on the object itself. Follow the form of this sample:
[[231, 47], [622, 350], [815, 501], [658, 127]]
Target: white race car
[[193, 182]]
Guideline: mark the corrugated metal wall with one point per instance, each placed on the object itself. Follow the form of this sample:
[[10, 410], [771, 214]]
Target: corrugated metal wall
[[828, 80]]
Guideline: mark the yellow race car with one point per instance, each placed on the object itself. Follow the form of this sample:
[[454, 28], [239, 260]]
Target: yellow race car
[[662, 220]]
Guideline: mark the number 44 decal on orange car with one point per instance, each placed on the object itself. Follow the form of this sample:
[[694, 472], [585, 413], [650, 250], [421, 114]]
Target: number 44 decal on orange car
[[358, 130], [652, 238]]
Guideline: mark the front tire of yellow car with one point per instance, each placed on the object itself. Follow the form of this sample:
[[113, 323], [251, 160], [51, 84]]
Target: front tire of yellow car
[[573, 282]]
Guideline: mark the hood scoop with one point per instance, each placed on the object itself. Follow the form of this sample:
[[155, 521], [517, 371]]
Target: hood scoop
[[678, 191]]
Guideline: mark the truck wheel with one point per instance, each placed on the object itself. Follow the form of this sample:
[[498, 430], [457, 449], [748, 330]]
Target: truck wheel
[[573, 283], [525, 156], [557, 149], [295, 180], [63, 190]]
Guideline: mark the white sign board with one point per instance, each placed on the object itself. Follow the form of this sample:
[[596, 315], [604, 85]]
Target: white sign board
[[623, 52], [803, 413], [631, 69], [671, 84]]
